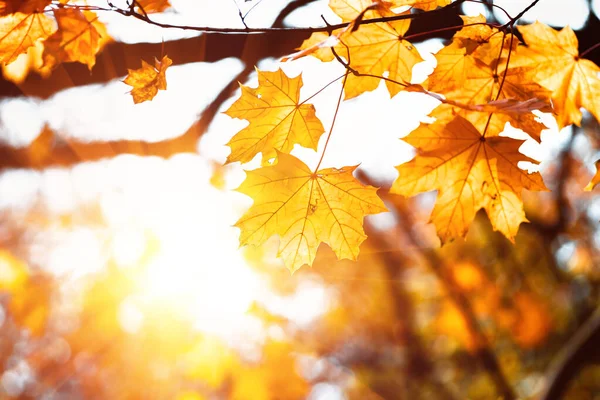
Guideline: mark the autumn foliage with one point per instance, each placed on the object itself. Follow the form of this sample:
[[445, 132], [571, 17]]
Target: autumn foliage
[[463, 280]]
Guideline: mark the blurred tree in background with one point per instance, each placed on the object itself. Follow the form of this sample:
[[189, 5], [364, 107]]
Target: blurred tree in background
[[120, 273]]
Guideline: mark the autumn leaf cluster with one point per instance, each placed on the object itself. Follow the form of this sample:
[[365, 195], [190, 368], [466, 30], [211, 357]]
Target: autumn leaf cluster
[[31, 39], [485, 78]]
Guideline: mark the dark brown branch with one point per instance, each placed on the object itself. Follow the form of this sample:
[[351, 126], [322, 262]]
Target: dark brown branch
[[49, 150], [116, 58], [251, 31]]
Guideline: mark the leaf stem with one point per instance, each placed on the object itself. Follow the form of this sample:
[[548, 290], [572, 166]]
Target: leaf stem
[[589, 49], [337, 109]]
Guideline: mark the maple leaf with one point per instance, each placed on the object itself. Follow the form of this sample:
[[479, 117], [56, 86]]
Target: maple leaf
[[471, 43], [306, 209], [465, 79], [152, 6], [277, 119], [470, 171], [555, 63], [148, 80], [76, 40], [29, 61], [20, 31], [373, 49], [472, 70]]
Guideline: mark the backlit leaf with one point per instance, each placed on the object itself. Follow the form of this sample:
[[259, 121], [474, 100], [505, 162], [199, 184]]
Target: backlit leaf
[[20, 31], [306, 209], [470, 171], [148, 80], [75, 40], [376, 49], [277, 119], [553, 57]]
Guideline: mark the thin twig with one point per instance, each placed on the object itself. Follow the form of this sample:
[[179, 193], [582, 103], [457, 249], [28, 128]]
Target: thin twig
[[329, 28]]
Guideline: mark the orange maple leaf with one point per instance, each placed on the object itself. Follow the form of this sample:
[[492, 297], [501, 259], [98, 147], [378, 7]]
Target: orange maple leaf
[[76, 39], [148, 80], [475, 41], [470, 71], [306, 209], [278, 120], [553, 57], [20, 31], [470, 171]]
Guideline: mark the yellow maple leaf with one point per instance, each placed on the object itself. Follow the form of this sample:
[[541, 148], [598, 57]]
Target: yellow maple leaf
[[470, 171], [152, 6], [76, 40], [148, 80], [373, 49], [553, 57], [277, 119], [20, 31], [306, 209]]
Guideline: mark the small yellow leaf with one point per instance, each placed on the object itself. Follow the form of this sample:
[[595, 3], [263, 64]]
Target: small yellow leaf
[[306, 209], [148, 80], [277, 119]]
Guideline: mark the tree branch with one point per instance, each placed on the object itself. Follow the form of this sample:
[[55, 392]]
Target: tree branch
[[250, 31]]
